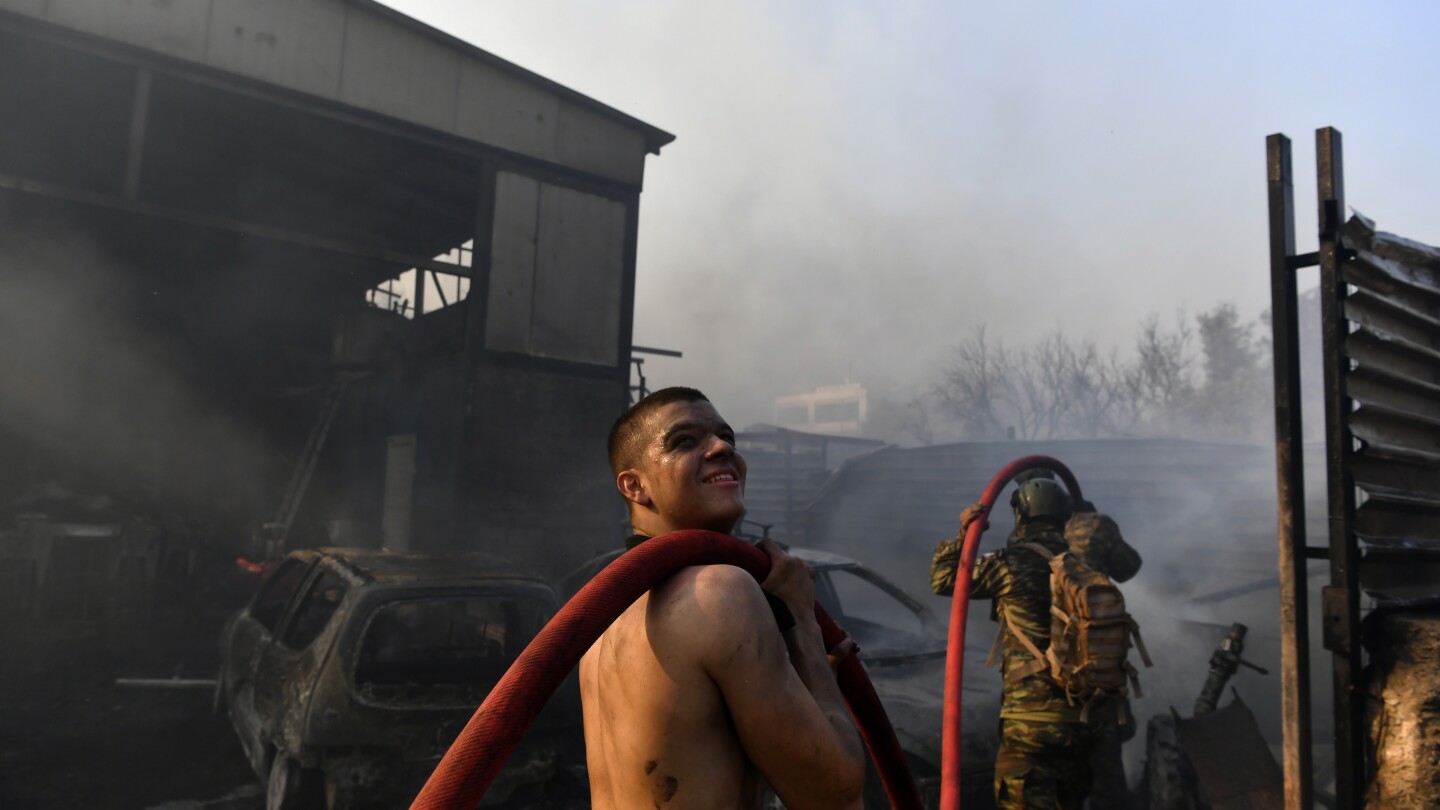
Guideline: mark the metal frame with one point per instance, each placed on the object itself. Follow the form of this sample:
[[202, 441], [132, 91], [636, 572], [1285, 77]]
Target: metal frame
[[1340, 608], [1290, 480], [1341, 598]]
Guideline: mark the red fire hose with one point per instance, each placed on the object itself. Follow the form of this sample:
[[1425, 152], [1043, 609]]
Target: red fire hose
[[476, 756], [959, 609]]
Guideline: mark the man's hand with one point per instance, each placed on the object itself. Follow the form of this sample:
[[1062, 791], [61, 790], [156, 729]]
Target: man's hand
[[843, 649], [969, 515], [790, 579]]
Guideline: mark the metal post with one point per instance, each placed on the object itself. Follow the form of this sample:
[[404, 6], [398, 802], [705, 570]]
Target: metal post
[[1290, 481], [135, 146], [472, 433], [1341, 599], [418, 293]]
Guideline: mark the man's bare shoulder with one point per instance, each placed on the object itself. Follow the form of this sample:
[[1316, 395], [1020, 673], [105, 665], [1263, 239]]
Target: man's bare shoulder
[[709, 606], [708, 587]]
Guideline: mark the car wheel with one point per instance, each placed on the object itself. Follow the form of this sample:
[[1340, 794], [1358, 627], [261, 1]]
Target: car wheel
[[292, 787]]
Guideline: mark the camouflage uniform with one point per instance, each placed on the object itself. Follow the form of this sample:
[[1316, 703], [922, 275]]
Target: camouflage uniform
[[1096, 538], [1044, 759]]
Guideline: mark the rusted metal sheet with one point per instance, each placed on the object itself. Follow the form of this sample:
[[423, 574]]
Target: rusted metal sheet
[[1234, 766]]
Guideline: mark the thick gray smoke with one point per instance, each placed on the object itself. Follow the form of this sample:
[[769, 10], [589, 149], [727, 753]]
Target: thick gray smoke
[[101, 402]]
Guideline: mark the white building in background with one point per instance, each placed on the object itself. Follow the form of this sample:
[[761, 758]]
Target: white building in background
[[838, 410]]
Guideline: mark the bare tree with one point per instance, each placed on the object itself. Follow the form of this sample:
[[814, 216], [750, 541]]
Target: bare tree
[[1062, 388], [1235, 397], [1163, 375], [970, 387]]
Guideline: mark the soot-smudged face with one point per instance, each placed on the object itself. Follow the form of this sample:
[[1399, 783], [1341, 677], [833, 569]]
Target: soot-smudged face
[[689, 475]]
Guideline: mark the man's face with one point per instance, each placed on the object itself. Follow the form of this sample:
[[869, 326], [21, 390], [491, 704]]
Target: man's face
[[688, 475]]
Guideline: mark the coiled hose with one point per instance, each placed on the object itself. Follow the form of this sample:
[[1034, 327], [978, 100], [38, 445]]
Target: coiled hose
[[482, 747], [960, 607]]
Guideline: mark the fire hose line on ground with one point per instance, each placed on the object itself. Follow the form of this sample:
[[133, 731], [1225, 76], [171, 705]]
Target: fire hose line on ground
[[950, 769], [478, 753]]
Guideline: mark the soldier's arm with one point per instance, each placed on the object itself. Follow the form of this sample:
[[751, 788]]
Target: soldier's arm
[[947, 553], [943, 565], [987, 578], [984, 578]]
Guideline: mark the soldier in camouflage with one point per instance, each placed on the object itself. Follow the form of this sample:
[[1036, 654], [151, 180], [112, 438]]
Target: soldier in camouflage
[[1096, 539], [1044, 758]]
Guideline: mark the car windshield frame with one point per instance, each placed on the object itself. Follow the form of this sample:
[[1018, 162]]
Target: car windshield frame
[[372, 601]]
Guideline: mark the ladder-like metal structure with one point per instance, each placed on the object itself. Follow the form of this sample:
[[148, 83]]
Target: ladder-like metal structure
[[299, 483]]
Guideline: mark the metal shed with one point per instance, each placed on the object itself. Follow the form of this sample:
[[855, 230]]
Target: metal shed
[[216, 188]]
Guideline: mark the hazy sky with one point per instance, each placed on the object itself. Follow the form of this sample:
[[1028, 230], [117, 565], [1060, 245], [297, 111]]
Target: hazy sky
[[855, 185]]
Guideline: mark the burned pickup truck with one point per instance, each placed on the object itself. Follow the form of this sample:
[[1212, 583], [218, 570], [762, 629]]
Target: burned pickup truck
[[350, 673]]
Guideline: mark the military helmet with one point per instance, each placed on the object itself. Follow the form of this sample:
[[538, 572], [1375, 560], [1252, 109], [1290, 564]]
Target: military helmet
[[1040, 498]]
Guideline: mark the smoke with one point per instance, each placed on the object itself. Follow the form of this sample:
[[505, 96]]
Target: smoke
[[100, 397], [854, 187]]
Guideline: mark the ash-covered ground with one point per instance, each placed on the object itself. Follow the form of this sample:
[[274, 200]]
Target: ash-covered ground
[[71, 737]]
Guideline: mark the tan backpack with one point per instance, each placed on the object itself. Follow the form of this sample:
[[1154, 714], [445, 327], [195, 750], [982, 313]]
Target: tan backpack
[[1090, 633]]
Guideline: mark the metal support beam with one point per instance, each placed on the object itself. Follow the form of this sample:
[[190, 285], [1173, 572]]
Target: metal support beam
[[135, 147], [660, 352], [419, 292], [1290, 481], [476, 309], [1341, 600], [239, 227]]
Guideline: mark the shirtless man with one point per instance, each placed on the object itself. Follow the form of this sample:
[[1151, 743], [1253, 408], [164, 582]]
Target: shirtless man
[[695, 698]]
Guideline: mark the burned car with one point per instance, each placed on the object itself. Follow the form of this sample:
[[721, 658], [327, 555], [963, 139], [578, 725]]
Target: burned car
[[350, 673], [902, 645]]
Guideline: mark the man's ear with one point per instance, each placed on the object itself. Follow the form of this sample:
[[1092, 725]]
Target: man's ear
[[632, 487]]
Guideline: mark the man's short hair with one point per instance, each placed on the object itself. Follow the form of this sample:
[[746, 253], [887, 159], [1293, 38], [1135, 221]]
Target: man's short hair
[[625, 439]]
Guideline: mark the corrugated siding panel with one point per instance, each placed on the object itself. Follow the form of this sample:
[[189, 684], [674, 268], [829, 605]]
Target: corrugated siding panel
[[1395, 348]]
